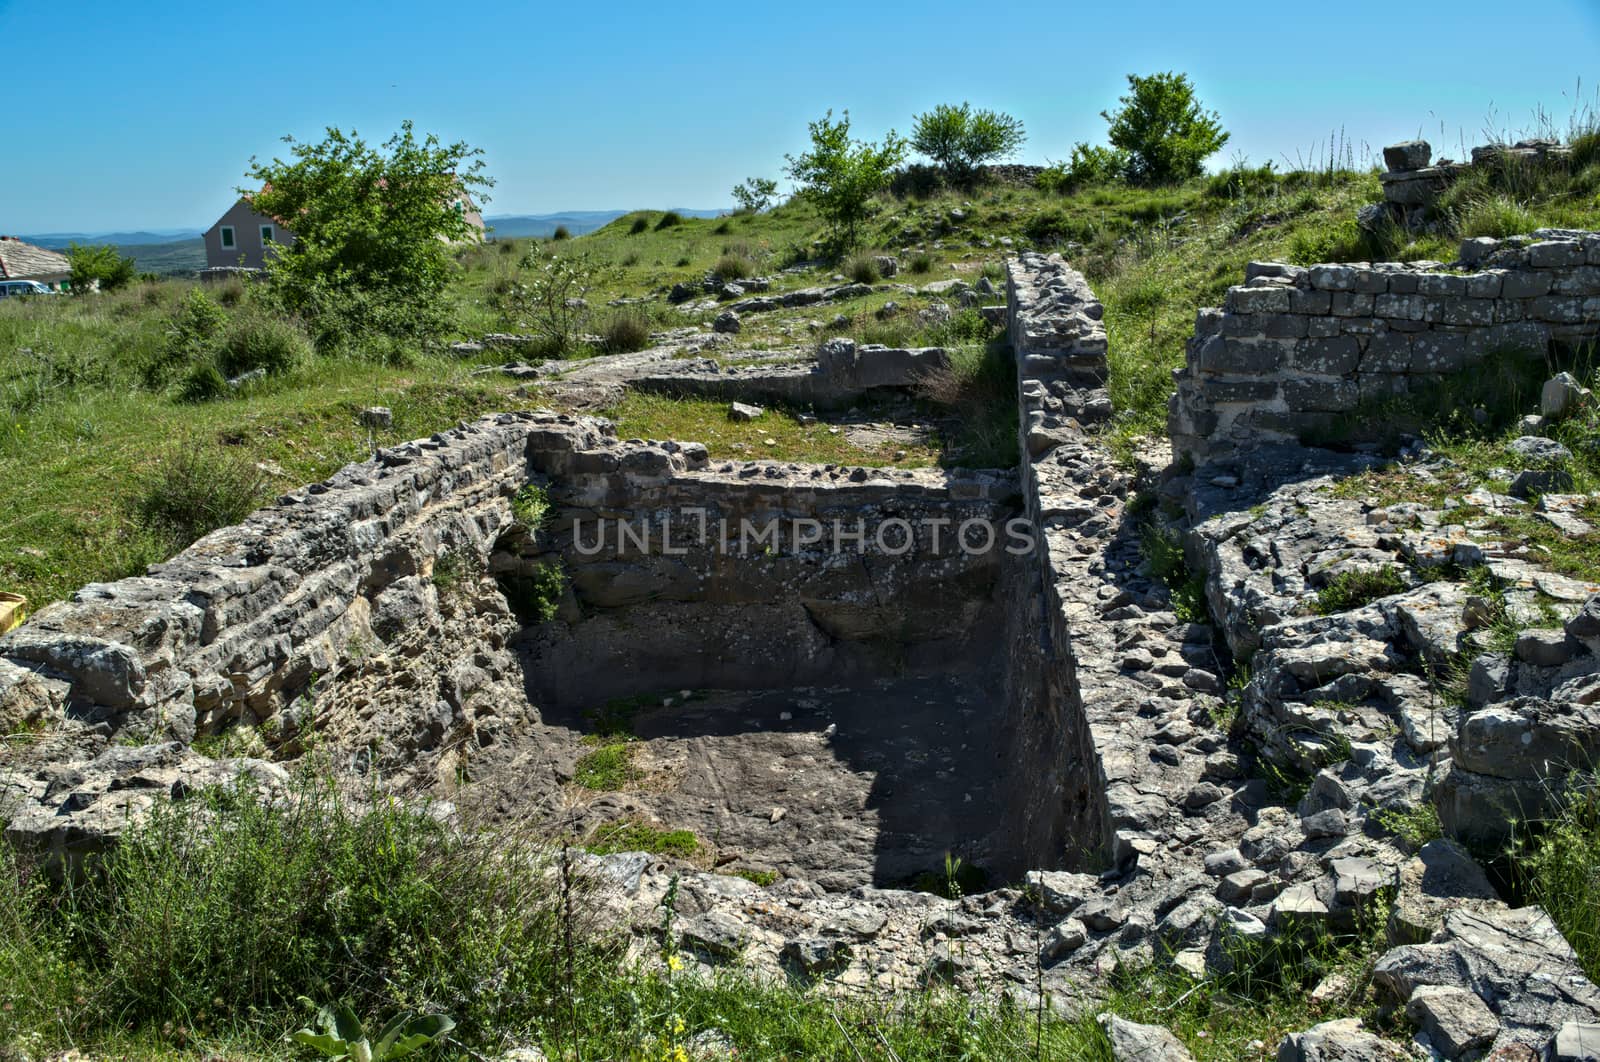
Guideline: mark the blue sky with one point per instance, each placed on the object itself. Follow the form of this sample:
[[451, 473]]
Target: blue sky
[[144, 115]]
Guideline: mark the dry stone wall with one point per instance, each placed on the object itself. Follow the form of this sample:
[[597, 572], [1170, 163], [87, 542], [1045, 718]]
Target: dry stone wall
[[1294, 349]]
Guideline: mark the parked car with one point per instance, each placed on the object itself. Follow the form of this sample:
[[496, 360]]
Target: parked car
[[14, 288]]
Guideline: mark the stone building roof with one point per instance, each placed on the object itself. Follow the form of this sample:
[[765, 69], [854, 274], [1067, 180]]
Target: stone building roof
[[21, 261]]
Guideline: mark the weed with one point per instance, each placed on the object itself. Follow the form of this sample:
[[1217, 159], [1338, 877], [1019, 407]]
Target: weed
[[735, 266], [1557, 863], [625, 331], [670, 220], [862, 269], [451, 571], [631, 835], [607, 769], [1415, 826], [195, 490], [1354, 589], [920, 263]]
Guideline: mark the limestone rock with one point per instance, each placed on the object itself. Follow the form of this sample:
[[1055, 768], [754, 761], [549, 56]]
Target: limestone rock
[[1454, 1020], [1133, 1042]]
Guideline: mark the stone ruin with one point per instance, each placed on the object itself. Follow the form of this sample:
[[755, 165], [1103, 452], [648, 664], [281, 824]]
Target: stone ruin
[[1413, 180], [837, 720]]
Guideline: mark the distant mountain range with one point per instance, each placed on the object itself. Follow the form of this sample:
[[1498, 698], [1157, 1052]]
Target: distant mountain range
[[179, 251], [577, 222]]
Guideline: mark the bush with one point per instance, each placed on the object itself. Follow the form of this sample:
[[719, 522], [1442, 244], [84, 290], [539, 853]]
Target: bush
[[921, 262], [1242, 182], [841, 175], [192, 335], [670, 220], [1050, 227], [960, 139], [1163, 129], [260, 342], [862, 269], [196, 489], [734, 266], [561, 233], [99, 264], [374, 232], [639, 225], [1558, 867], [203, 382], [625, 331], [755, 194]]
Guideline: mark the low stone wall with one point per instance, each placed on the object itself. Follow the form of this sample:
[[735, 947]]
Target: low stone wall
[[1413, 180], [1295, 348], [843, 373]]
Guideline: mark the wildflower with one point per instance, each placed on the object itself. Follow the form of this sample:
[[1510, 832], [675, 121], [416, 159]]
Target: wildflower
[[674, 963]]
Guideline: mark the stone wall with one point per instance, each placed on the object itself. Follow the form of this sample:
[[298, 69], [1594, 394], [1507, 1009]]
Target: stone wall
[[1413, 180], [1295, 349]]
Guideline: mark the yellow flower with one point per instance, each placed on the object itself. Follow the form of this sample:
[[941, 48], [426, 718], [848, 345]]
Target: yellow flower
[[674, 963]]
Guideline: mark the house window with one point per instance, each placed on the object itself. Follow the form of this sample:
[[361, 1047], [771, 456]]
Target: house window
[[266, 235], [227, 237]]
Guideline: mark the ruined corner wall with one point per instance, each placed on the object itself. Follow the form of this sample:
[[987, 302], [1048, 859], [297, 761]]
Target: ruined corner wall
[[1295, 348]]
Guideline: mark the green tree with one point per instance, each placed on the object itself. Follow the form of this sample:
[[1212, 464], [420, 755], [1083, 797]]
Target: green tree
[[960, 139], [99, 262], [373, 230], [1165, 131], [841, 175], [755, 194]]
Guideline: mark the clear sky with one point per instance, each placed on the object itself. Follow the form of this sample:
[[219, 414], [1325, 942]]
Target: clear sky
[[144, 113]]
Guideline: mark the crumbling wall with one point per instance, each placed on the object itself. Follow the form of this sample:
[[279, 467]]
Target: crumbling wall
[[1294, 349], [1413, 180]]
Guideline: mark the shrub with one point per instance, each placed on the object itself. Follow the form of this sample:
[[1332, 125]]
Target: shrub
[[374, 232], [921, 262], [194, 490], [916, 181], [670, 220], [261, 342], [1495, 215], [980, 387], [1052, 226], [840, 175], [755, 194], [626, 330], [1558, 867], [191, 335], [961, 139], [100, 264], [608, 769], [639, 225], [1163, 128], [862, 269], [735, 265], [547, 296], [561, 233], [202, 383], [1088, 166], [1242, 182]]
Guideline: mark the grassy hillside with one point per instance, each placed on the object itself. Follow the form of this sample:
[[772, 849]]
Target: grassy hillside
[[84, 431]]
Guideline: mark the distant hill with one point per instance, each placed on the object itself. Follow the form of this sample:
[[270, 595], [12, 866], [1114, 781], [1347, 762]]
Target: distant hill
[[578, 222], [176, 257], [60, 240]]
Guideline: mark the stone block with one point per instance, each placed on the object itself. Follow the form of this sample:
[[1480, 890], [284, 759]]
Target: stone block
[[1241, 324], [1404, 283], [1387, 352], [1557, 309], [1250, 357], [1309, 302], [1333, 277], [1371, 281], [1322, 327], [1585, 280], [1446, 284], [1321, 395], [1477, 249], [1351, 304], [1328, 357], [1225, 390], [1554, 254], [1283, 325], [1207, 321], [1407, 155], [1524, 284], [1438, 352], [1484, 286], [1403, 307], [1477, 312], [1257, 300], [1377, 386]]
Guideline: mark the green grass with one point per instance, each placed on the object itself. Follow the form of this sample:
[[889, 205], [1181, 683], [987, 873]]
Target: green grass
[[196, 936], [1354, 589], [608, 768], [650, 416], [1558, 866], [631, 835]]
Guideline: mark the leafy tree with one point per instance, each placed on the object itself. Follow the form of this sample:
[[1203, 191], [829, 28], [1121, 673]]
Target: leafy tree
[[1163, 128], [960, 139], [755, 194], [841, 175], [373, 229], [99, 262], [547, 297]]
